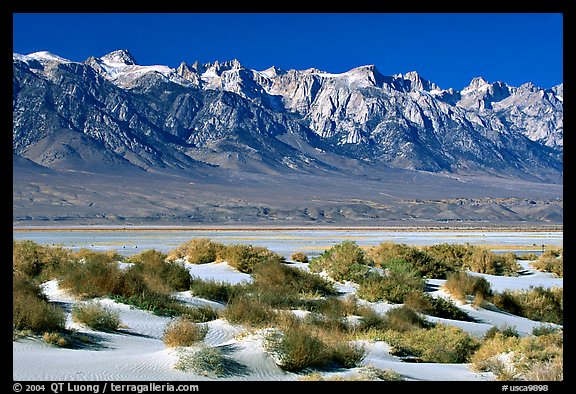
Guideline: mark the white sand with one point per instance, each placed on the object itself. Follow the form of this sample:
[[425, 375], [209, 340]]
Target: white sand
[[136, 352]]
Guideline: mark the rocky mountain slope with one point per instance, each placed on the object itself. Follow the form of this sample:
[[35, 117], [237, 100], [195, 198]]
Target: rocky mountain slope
[[109, 116]]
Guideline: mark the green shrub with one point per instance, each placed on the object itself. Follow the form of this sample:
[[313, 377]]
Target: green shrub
[[451, 255], [183, 332], [166, 305], [159, 274], [462, 285], [401, 319], [249, 311], [93, 274], [31, 309], [439, 344], [245, 257], [214, 290], [280, 285], [537, 303], [299, 257], [436, 306], [96, 316], [197, 251], [299, 346], [344, 261], [400, 280]]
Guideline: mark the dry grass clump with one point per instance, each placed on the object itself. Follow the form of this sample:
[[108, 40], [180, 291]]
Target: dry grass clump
[[55, 338], [299, 257], [526, 358], [344, 261], [537, 303], [183, 332], [550, 261], [368, 373], [31, 310], [96, 316], [197, 251], [463, 285]]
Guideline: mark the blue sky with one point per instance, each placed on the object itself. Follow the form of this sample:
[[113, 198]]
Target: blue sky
[[448, 49]]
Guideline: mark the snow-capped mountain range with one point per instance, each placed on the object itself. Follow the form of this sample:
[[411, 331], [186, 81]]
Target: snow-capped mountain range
[[108, 111]]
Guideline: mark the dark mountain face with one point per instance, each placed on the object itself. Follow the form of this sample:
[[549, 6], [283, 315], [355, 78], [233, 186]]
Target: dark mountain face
[[108, 115]]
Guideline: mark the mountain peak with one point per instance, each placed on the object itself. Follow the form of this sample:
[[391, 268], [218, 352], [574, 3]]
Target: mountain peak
[[122, 56]]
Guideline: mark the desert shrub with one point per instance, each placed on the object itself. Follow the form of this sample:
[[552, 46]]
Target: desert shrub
[[401, 319], [37, 261], [205, 360], [328, 323], [31, 309], [545, 329], [439, 344], [280, 285], [418, 258], [183, 332], [521, 358], [369, 373], [436, 306], [245, 257], [96, 316], [197, 251], [215, 290], [299, 257], [166, 305], [462, 285], [159, 274], [399, 281], [93, 274], [299, 346], [537, 303], [505, 331], [550, 261], [528, 256], [344, 261], [451, 255], [334, 307], [249, 311], [484, 261], [404, 319]]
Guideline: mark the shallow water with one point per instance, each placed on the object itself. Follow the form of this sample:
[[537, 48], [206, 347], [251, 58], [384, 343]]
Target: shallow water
[[286, 242]]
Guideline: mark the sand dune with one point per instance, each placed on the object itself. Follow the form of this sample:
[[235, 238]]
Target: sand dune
[[136, 351]]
